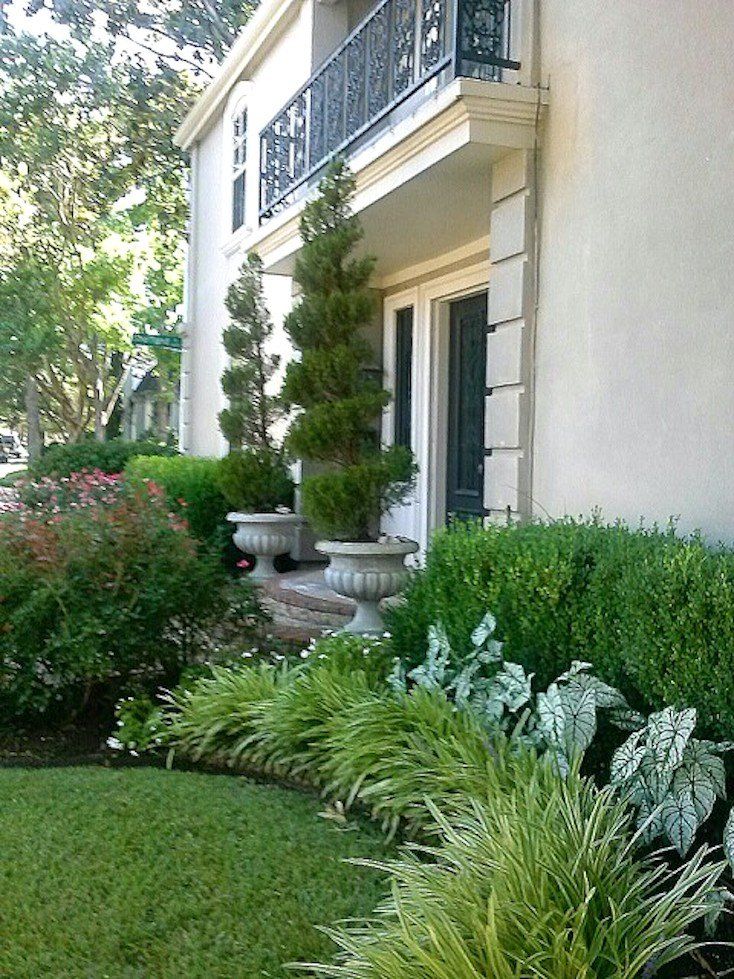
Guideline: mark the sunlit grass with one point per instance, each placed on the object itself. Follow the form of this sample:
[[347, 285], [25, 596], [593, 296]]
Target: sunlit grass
[[148, 873]]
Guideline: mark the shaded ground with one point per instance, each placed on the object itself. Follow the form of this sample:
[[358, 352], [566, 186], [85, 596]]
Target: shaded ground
[[148, 873]]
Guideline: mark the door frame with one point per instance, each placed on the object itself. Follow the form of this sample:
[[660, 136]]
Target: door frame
[[430, 381]]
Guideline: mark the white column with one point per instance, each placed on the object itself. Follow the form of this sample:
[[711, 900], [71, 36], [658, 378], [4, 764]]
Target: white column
[[507, 473]]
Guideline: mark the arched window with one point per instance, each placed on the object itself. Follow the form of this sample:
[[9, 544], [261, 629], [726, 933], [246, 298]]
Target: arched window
[[239, 166]]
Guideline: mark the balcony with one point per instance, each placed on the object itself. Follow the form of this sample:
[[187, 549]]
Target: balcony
[[401, 50]]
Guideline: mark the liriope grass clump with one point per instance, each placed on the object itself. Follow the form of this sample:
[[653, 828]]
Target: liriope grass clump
[[335, 731], [215, 719], [529, 875], [540, 877]]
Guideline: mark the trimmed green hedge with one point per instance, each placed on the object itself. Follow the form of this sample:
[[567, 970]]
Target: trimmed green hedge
[[191, 487], [109, 457], [652, 611]]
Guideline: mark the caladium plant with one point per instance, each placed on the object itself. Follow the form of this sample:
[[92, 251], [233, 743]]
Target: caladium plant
[[562, 719], [671, 778]]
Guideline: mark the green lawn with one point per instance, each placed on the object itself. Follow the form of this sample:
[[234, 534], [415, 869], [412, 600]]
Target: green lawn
[[147, 873]]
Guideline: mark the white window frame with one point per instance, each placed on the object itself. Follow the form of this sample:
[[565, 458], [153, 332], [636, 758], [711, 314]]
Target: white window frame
[[237, 109], [239, 168]]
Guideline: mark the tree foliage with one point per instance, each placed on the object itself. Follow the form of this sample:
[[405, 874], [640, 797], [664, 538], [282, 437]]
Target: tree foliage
[[92, 210], [171, 31]]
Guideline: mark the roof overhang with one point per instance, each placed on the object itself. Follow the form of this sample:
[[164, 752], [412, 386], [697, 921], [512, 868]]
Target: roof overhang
[[268, 20]]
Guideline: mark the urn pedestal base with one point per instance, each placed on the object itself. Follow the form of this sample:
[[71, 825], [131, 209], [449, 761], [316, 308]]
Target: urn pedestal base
[[367, 572]]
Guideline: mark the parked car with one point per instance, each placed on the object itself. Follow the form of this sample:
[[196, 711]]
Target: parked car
[[11, 448]]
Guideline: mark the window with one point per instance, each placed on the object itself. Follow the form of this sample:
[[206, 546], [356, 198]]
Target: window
[[403, 372], [239, 163]]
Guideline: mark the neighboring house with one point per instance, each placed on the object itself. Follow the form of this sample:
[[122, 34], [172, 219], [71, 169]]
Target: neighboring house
[[144, 411], [548, 187]]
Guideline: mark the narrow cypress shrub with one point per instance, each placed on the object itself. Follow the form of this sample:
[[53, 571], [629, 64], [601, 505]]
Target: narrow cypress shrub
[[340, 406], [252, 409], [254, 476]]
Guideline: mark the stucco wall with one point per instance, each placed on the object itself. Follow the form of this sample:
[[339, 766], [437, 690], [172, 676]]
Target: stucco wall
[[215, 254], [635, 341]]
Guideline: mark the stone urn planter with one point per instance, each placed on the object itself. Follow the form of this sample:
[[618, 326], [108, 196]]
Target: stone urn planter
[[366, 572], [265, 535]]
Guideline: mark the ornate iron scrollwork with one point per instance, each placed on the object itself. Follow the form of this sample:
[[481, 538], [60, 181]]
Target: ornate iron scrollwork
[[378, 66], [433, 33], [398, 47], [335, 104], [356, 53], [483, 37], [403, 45]]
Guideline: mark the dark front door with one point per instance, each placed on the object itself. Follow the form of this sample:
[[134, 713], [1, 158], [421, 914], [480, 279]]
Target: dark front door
[[467, 373]]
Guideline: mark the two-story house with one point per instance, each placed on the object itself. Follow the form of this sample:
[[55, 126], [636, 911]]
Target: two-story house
[[548, 187]]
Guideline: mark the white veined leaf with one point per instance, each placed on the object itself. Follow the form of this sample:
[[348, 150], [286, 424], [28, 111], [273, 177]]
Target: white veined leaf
[[484, 630], [463, 684], [607, 698], [718, 747], [492, 708], [396, 677], [551, 716], [715, 900], [562, 763], [626, 719], [668, 732], [701, 772], [431, 674], [654, 779], [514, 686], [579, 706], [491, 653], [439, 648], [680, 820], [728, 841], [649, 821], [626, 759], [577, 666]]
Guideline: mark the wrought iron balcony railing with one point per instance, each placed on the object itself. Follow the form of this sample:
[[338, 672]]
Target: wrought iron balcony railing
[[399, 47]]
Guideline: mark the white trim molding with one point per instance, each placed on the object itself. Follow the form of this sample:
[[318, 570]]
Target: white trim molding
[[269, 19]]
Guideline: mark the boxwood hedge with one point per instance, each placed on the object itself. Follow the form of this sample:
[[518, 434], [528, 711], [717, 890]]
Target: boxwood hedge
[[653, 612]]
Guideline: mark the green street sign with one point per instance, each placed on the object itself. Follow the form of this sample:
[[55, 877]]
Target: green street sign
[[166, 341]]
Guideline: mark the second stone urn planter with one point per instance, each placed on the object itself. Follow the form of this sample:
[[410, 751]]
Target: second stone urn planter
[[367, 572], [265, 536]]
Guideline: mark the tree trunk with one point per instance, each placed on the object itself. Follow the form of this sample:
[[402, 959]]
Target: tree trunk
[[33, 419], [161, 417], [99, 421]]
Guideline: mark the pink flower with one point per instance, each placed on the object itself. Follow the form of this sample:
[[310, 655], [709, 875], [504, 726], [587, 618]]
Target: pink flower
[[244, 564]]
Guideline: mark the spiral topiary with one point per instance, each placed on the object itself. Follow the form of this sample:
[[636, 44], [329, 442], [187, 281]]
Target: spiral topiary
[[340, 405]]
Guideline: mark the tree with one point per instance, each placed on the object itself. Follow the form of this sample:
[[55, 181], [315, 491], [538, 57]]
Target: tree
[[86, 212], [253, 410], [340, 406], [172, 32]]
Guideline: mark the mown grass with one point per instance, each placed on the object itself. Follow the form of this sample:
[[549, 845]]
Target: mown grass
[[146, 873]]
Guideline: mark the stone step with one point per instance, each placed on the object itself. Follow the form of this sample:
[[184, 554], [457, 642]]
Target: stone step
[[302, 606]]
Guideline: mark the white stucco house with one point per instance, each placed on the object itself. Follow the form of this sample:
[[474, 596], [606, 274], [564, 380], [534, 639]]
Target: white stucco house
[[548, 186]]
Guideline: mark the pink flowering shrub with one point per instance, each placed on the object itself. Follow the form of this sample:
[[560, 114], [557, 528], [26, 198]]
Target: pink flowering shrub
[[98, 582], [73, 492]]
